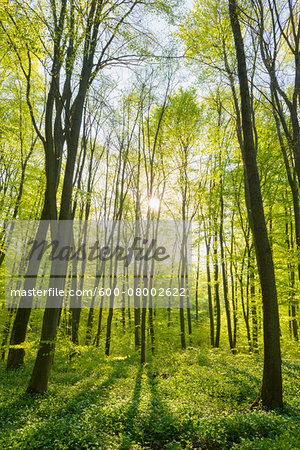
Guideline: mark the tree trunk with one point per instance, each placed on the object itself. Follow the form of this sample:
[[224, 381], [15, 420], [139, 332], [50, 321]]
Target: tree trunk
[[224, 272], [197, 283], [217, 294], [5, 333], [210, 303], [253, 304], [16, 355], [271, 391]]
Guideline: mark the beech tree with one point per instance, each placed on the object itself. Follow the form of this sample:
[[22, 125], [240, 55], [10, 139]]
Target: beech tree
[[271, 391]]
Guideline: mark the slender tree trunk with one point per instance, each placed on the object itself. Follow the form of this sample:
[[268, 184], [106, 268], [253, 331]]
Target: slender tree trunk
[[210, 303], [197, 283], [182, 274], [245, 310], [233, 290], [253, 304], [97, 338], [5, 332], [224, 272], [123, 310], [271, 391], [216, 291], [292, 301], [113, 284], [188, 302], [151, 315]]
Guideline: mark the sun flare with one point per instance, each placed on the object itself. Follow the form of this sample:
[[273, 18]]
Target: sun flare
[[154, 204]]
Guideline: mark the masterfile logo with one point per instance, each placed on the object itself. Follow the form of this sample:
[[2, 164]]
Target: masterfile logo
[[139, 250], [103, 264]]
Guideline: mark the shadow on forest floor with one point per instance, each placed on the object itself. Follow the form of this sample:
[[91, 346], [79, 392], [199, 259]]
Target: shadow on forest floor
[[158, 427], [117, 403], [43, 405]]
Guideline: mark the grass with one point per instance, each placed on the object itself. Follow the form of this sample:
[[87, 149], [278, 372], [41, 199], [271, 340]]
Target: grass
[[194, 399]]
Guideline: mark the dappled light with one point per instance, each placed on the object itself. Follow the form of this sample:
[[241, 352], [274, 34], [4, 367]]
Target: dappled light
[[149, 224]]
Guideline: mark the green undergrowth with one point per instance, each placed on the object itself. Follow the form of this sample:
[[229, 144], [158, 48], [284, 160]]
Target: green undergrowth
[[194, 399]]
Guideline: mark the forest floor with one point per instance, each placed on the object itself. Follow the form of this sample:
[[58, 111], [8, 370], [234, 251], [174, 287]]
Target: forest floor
[[194, 399]]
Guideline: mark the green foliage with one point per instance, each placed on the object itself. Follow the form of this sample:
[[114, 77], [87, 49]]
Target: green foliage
[[196, 399], [206, 34]]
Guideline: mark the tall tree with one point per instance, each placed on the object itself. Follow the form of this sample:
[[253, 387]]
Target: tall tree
[[271, 390]]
